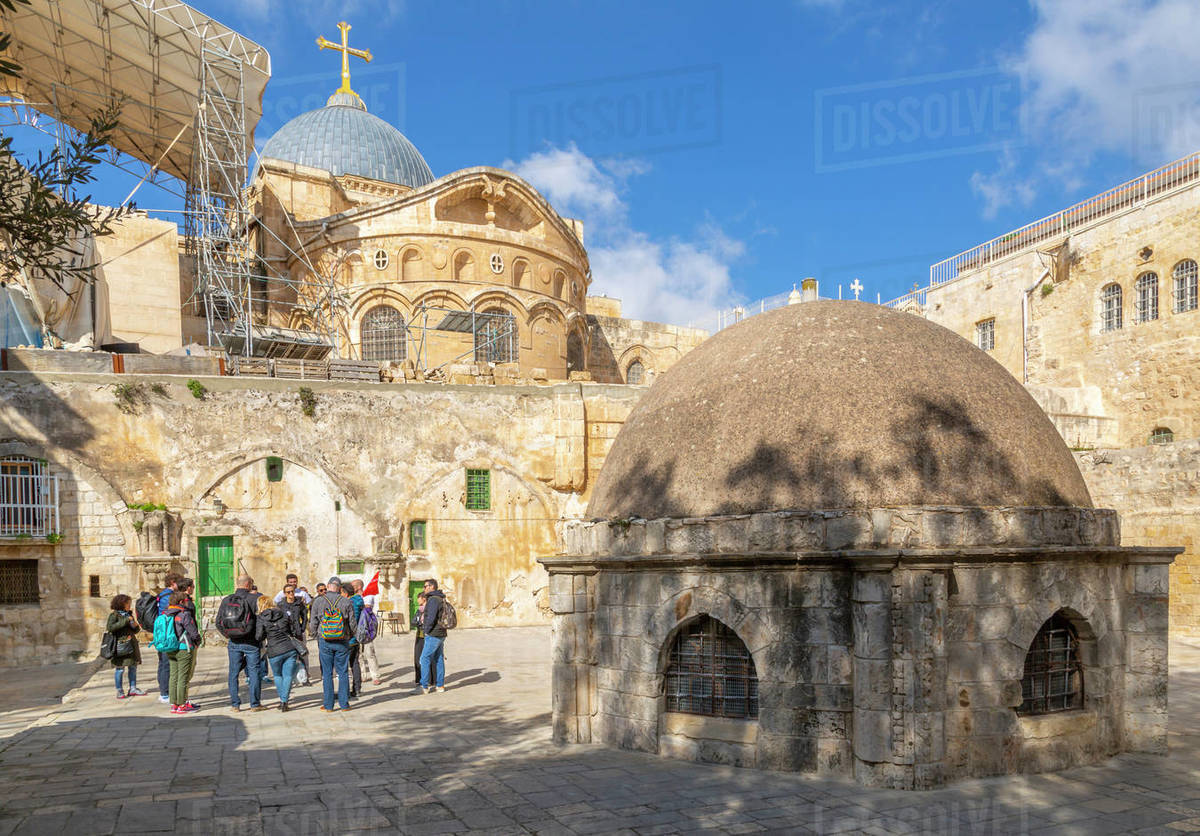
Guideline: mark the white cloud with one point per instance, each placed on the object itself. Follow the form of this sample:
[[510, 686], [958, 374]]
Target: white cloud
[[1101, 76], [677, 280]]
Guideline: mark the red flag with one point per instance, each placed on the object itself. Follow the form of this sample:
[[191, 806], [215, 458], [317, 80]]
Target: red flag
[[372, 588]]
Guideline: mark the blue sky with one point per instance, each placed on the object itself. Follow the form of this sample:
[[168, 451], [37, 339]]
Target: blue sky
[[720, 152]]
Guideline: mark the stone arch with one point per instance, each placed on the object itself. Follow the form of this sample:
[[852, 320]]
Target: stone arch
[[545, 308], [441, 298], [411, 261], [378, 296], [463, 266], [688, 604], [499, 297], [1100, 641], [219, 467], [353, 267]]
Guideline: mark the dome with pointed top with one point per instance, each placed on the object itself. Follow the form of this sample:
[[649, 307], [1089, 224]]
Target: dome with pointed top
[[343, 138]]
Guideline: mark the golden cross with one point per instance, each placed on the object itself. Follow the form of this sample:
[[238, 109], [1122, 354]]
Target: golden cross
[[346, 51]]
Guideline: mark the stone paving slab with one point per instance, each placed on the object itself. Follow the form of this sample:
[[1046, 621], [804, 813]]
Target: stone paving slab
[[478, 759]]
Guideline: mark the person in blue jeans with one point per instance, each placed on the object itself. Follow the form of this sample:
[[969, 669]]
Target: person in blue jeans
[[171, 580], [244, 653], [330, 624], [433, 663], [275, 632]]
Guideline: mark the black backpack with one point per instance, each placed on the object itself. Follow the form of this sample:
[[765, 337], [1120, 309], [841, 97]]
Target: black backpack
[[235, 617], [146, 610]]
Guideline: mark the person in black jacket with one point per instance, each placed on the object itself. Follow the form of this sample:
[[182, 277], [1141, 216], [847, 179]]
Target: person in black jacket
[[273, 629], [435, 636], [182, 662]]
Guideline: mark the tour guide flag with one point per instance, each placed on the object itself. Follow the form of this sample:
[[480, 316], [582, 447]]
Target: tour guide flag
[[372, 588]]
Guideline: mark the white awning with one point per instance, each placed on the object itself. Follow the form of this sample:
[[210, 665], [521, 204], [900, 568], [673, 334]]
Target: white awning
[[77, 55]]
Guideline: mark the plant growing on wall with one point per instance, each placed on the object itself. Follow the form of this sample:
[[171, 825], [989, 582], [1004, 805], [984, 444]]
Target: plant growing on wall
[[129, 397], [199, 390], [54, 539], [1047, 289], [308, 401]]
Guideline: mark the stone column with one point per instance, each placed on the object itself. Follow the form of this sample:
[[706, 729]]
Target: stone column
[[899, 677], [573, 677], [1146, 621]]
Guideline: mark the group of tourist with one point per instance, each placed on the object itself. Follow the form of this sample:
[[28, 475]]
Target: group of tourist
[[267, 639]]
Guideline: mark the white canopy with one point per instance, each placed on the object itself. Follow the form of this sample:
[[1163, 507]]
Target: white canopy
[[76, 55]]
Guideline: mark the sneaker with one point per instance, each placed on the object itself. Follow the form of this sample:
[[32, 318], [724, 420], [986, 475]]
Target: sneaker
[[189, 707], [136, 692], [376, 681], [177, 709], [283, 706], [441, 688], [258, 708], [235, 709], [120, 696], [330, 710], [164, 698], [426, 690]]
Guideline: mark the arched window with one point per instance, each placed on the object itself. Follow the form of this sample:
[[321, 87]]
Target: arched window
[[1162, 435], [575, 361], [636, 372], [520, 273], [1053, 679], [1146, 301], [560, 279], [710, 672], [383, 334], [1184, 275], [495, 337], [410, 265], [1110, 308]]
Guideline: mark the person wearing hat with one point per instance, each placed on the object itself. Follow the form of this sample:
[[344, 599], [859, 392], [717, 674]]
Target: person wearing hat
[[332, 625]]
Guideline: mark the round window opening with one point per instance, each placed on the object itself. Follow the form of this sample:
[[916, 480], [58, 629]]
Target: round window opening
[[381, 259], [497, 263]]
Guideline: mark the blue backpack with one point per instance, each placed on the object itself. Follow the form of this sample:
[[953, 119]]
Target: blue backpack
[[165, 638]]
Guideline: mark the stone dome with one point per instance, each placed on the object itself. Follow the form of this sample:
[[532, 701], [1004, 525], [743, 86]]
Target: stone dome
[[343, 138], [828, 405]]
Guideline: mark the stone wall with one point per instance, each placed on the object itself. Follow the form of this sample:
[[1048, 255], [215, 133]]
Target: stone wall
[[372, 459], [889, 644], [1156, 489], [616, 343], [138, 283]]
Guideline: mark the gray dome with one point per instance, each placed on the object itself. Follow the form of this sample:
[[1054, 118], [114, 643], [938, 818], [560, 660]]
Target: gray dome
[[343, 138]]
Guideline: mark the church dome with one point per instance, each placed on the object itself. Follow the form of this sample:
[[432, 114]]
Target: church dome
[[833, 405], [343, 138]]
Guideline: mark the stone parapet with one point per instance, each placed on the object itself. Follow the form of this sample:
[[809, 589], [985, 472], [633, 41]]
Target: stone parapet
[[781, 532]]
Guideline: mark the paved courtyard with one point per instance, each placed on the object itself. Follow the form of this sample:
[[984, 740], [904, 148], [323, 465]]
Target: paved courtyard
[[478, 759]]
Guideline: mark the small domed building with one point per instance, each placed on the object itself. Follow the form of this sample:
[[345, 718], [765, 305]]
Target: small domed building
[[839, 539], [362, 243]]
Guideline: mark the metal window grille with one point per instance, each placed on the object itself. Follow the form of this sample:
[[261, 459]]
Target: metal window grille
[[1185, 286], [1162, 435], [985, 334], [18, 581], [1146, 302], [28, 498], [636, 372], [382, 260], [1110, 308], [495, 337], [479, 490], [94, 586], [416, 535], [710, 672], [1053, 679], [384, 336], [497, 263]]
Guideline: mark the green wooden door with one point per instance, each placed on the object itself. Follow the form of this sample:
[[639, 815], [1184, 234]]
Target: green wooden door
[[415, 588], [215, 561]]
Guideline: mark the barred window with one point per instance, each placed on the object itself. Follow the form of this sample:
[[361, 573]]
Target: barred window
[[18, 581], [383, 334], [710, 672], [351, 567], [479, 490], [1053, 679], [1146, 303], [1185, 286], [1162, 435], [1110, 308], [636, 372], [985, 334], [28, 498], [495, 337], [93, 586]]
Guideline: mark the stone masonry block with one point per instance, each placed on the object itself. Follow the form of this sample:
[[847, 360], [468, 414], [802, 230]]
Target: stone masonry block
[[848, 530], [1151, 579], [872, 735]]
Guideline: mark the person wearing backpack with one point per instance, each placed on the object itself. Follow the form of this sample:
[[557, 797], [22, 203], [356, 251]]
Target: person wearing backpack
[[147, 613], [274, 631], [438, 618], [366, 632], [330, 624], [236, 621], [177, 635], [356, 607], [123, 628]]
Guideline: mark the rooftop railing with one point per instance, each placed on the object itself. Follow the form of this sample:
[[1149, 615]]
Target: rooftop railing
[[1162, 181]]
